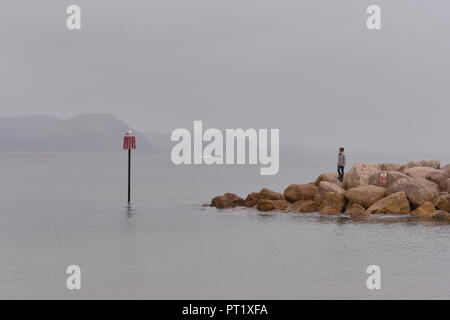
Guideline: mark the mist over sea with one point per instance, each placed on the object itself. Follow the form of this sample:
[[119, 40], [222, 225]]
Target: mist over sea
[[59, 209]]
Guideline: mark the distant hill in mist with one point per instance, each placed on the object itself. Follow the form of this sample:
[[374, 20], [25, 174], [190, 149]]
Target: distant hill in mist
[[102, 133], [83, 133]]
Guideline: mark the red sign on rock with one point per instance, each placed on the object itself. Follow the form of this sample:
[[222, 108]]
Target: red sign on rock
[[383, 177]]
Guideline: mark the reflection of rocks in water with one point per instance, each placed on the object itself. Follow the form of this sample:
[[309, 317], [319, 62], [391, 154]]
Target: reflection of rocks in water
[[441, 218], [379, 219], [390, 219], [264, 216], [340, 219]]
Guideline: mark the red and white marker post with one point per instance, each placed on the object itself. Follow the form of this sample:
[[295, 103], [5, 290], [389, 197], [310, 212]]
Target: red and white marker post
[[129, 143]]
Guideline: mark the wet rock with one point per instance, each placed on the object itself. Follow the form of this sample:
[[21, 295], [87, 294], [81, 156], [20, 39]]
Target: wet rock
[[332, 204], [396, 203], [330, 198], [302, 206], [228, 200], [269, 194], [359, 174], [417, 190], [297, 192], [443, 202], [269, 205], [252, 199], [356, 211], [365, 195], [328, 177], [427, 210]]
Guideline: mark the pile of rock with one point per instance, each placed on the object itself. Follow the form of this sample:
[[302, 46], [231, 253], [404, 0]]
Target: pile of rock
[[420, 189]]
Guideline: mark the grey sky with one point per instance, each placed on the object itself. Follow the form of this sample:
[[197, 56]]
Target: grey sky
[[309, 68]]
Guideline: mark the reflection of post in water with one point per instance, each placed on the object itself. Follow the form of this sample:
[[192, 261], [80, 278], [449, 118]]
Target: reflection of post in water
[[130, 211], [130, 248]]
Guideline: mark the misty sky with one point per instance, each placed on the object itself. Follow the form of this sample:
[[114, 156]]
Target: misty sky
[[310, 68]]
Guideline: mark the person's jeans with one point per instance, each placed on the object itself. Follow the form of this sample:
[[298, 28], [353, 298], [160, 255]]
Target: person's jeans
[[340, 170]]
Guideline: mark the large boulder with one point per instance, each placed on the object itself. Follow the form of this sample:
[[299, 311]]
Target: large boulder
[[443, 202], [269, 205], [329, 187], [440, 177], [252, 199], [436, 164], [393, 167], [409, 165], [365, 195], [332, 203], [448, 186], [328, 177], [430, 163], [417, 190], [356, 211], [446, 168], [359, 174], [297, 192], [227, 200], [268, 194], [385, 178], [302, 206], [329, 198], [395, 203], [427, 210], [420, 172]]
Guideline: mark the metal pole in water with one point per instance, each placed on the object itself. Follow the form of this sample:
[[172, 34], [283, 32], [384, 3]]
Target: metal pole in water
[[129, 143], [129, 175]]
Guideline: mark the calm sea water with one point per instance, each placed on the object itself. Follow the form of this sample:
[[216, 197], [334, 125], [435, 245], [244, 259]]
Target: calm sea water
[[71, 209]]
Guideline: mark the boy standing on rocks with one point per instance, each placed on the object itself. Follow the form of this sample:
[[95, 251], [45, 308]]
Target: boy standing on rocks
[[341, 164]]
